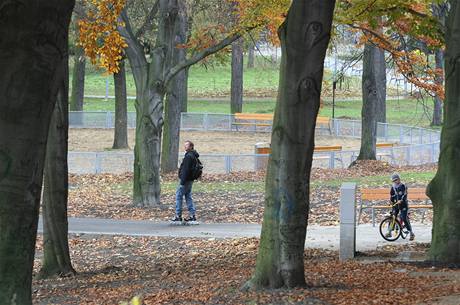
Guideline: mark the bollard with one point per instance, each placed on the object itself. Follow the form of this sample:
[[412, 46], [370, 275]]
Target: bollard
[[347, 221]]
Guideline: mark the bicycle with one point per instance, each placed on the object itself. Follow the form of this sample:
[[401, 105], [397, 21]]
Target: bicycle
[[392, 227]]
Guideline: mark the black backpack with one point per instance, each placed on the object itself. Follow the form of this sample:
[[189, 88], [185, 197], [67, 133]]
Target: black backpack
[[197, 169]]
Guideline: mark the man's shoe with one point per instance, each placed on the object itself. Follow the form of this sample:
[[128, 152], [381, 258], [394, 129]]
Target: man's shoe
[[177, 219], [412, 236], [190, 218]]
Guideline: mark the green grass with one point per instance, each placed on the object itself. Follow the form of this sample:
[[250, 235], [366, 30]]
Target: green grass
[[200, 187], [410, 178], [408, 112], [203, 81], [380, 180], [215, 81]]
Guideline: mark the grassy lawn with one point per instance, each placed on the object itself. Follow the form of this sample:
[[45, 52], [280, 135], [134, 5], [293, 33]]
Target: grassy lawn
[[212, 81], [410, 178], [258, 82], [409, 112]]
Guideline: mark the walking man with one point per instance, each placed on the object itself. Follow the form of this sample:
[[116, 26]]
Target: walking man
[[186, 177]]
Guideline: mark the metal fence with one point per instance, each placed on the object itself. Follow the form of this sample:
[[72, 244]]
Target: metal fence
[[415, 145]]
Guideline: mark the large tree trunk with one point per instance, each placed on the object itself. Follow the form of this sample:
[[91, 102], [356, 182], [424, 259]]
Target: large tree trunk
[[374, 94], [120, 139], [251, 56], [176, 98], [443, 189], [304, 39], [236, 100], [78, 80], [56, 260], [437, 109], [33, 45], [151, 90]]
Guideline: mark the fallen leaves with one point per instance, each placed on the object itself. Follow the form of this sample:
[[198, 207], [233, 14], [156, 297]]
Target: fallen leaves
[[101, 196], [203, 271]]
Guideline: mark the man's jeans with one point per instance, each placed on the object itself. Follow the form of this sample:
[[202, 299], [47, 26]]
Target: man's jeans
[[185, 190]]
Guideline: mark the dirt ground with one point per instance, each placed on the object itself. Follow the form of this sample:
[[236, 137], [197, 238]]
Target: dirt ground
[[205, 142]]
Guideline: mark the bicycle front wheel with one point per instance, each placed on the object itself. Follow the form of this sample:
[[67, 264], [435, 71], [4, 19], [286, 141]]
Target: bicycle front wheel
[[390, 229]]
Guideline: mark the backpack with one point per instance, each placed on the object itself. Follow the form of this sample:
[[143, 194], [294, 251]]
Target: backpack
[[197, 169]]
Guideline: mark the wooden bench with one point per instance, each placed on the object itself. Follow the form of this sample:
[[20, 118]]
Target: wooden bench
[[368, 194], [385, 153], [331, 149], [324, 122], [380, 154], [252, 119], [266, 119], [318, 149]]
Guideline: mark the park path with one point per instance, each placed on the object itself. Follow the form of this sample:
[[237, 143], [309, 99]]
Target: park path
[[325, 237]]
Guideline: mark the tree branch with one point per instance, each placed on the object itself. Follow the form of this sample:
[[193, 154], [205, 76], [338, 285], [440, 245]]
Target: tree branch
[[201, 55], [148, 19], [135, 51]]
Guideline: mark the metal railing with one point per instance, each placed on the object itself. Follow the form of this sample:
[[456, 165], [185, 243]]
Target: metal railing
[[415, 145]]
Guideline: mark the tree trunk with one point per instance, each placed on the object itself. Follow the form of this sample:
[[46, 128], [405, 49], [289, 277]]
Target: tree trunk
[[120, 140], [78, 80], [251, 57], [176, 98], [34, 48], [236, 100], [56, 260], [437, 109], [151, 90], [184, 107], [374, 94], [443, 189], [304, 40]]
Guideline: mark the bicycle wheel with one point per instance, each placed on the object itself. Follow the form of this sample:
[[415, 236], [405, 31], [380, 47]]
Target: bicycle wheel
[[390, 230], [404, 232]]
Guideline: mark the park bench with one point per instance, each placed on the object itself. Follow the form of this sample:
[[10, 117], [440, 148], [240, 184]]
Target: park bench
[[370, 194], [331, 156], [329, 153], [385, 153], [266, 119], [252, 119]]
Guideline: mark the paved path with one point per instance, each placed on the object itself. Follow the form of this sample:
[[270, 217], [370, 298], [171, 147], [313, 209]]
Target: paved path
[[326, 237]]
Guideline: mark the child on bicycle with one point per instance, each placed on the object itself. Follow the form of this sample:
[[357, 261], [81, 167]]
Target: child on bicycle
[[398, 196]]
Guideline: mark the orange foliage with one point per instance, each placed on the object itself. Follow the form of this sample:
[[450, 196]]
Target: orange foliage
[[99, 36]]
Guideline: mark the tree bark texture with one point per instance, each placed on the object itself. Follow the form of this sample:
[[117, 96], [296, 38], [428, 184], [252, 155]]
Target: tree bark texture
[[236, 96], [304, 39], [176, 98], [150, 92], [437, 109], [374, 95], [33, 45], [56, 259], [152, 80], [443, 189], [120, 139], [251, 56], [78, 80]]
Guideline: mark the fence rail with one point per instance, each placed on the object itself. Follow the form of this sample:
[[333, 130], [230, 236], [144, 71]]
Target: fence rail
[[416, 145]]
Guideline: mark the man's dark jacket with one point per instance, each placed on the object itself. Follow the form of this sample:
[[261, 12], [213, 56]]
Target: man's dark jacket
[[187, 165]]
